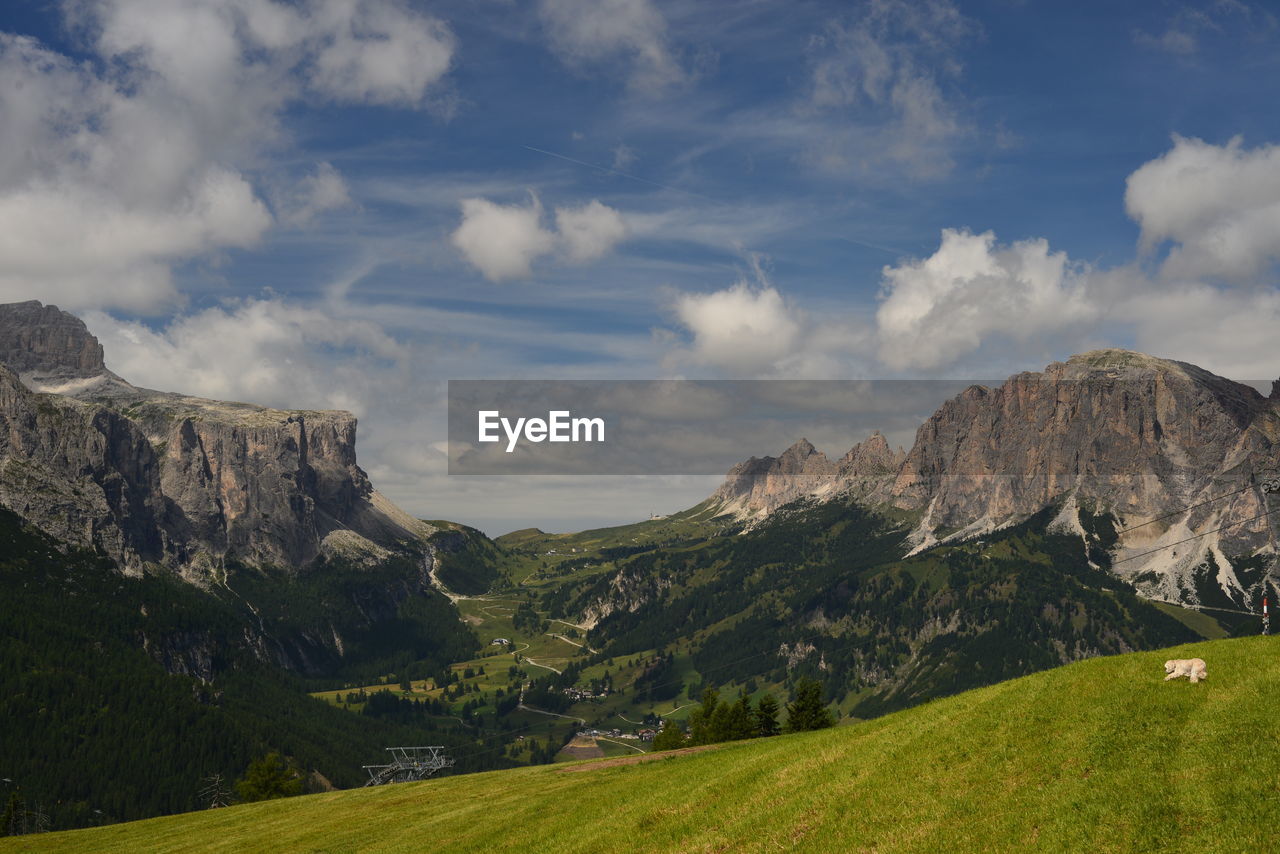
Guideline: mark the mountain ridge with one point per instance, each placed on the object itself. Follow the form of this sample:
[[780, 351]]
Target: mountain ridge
[[214, 480], [1146, 439]]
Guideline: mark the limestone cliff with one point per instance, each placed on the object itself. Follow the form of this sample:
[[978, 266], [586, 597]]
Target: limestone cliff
[[159, 478], [1166, 449], [759, 486]]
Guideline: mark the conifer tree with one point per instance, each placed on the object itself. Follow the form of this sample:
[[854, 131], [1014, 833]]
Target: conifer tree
[[702, 719], [808, 712], [766, 717], [669, 737], [269, 777], [739, 723]]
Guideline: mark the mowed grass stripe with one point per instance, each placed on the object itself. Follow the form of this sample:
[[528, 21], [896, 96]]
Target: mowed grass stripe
[[1100, 755]]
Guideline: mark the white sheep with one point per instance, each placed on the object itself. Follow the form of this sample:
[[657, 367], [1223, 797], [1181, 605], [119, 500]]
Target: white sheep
[[1192, 668]]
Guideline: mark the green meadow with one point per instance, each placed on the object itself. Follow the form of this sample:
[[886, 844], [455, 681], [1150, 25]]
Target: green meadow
[[1101, 755]]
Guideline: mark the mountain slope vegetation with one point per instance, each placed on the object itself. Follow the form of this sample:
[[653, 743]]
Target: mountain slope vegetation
[[1100, 755]]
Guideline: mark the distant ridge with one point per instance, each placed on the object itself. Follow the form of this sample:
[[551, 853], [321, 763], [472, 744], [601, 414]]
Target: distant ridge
[[1116, 431]]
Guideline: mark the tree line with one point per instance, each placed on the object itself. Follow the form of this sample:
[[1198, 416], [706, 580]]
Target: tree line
[[716, 720]]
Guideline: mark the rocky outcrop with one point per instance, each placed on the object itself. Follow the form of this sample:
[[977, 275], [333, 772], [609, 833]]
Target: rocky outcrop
[[82, 473], [45, 340], [1155, 444], [184, 482], [757, 487]]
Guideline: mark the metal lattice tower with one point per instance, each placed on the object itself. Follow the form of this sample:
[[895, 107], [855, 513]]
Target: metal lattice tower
[[408, 764]]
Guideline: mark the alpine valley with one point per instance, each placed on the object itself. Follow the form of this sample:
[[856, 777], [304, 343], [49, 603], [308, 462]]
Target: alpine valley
[[191, 584]]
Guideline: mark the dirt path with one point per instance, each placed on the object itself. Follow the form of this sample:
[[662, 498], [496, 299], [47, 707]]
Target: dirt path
[[577, 626], [528, 660], [623, 743], [523, 707], [632, 760], [575, 643]]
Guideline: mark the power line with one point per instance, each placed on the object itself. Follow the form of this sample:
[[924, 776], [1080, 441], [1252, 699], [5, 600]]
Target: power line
[[1196, 537], [1184, 510]]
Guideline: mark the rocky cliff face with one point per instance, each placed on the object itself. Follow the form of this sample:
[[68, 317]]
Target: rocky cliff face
[[1154, 444], [40, 338], [757, 487], [188, 483], [82, 473]]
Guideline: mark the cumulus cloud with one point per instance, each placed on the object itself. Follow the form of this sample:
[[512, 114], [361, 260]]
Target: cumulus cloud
[[113, 171], [591, 231], [632, 33], [503, 241], [882, 73], [265, 351], [381, 53], [1219, 205], [741, 328], [1230, 332], [945, 306]]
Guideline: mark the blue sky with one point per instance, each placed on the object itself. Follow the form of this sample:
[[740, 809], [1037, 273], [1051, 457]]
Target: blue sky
[[325, 203]]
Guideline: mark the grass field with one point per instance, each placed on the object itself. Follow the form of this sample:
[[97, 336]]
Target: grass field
[[1101, 755]]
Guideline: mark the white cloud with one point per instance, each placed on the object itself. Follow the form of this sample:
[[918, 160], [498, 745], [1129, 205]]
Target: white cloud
[[1231, 333], [743, 328], [1218, 204], [946, 306], [112, 171], [323, 190], [630, 33], [264, 351], [381, 53], [502, 241], [1188, 26], [591, 231], [882, 75]]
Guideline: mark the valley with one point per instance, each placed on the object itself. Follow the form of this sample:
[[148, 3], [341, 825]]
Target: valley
[[1099, 755], [248, 593]]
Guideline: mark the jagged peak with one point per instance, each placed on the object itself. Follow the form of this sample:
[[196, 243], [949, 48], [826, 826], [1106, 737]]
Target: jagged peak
[[802, 448], [47, 341]]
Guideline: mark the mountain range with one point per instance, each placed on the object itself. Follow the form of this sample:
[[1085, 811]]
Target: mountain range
[[217, 561], [1167, 449]]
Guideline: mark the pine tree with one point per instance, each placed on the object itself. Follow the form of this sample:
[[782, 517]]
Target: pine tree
[[808, 712], [766, 717], [269, 777], [669, 737], [701, 720], [739, 723]]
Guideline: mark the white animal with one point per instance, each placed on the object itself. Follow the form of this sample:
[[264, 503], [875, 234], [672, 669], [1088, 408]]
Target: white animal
[[1192, 668]]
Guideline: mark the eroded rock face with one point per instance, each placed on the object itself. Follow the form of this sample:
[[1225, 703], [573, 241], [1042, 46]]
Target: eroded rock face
[[35, 337], [82, 473], [1153, 442], [154, 477], [757, 487]]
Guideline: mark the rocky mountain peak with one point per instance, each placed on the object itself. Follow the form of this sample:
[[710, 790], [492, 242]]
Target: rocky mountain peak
[[798, 455], [1152, 442], [161, 478], [871, 457], [46, 341]]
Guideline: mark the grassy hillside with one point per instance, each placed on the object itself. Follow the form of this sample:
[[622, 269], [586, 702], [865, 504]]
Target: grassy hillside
[[1100, 755]]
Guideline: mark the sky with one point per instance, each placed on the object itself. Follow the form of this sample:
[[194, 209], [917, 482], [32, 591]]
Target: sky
[[341, 204]]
